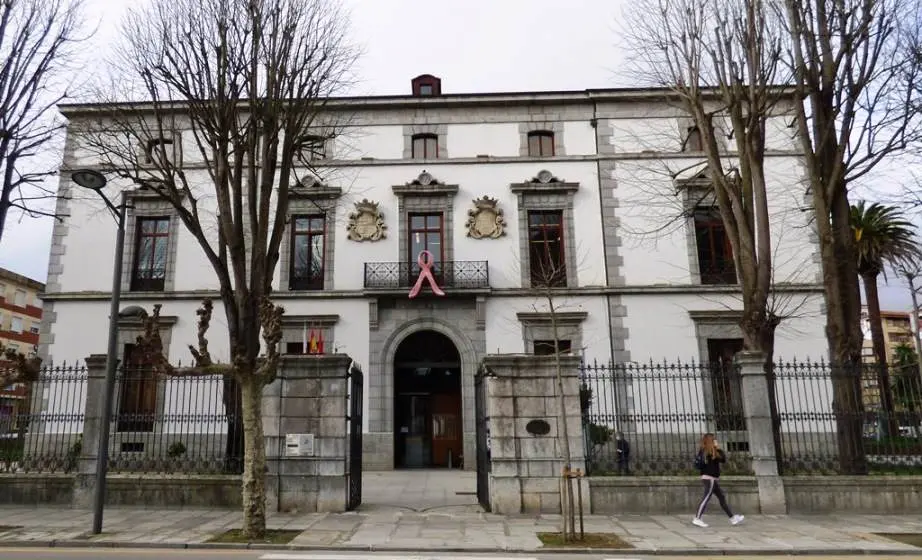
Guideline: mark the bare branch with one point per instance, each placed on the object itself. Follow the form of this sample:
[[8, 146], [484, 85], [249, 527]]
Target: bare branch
[[37, 39]]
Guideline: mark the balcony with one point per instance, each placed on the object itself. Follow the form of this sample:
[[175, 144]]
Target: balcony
[[460, 275]]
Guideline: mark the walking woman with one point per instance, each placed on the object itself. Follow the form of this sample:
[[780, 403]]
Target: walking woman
[[708, 461]]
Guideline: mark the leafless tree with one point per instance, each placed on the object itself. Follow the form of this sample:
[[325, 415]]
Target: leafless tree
[[548, 276], [247, 84], [720, 62], [37, 41], [852, 66]]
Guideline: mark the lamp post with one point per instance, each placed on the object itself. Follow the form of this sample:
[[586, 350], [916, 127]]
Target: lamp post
[[95, 181]]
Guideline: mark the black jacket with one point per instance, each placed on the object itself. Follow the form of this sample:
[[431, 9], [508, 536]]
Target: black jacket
[[711, 465]]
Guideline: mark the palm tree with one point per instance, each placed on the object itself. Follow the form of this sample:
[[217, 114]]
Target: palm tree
[[883, 236]]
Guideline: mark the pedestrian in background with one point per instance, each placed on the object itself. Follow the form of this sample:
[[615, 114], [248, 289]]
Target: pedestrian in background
[[707, 461]]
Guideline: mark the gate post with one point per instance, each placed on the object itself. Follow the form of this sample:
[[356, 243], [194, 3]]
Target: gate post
[[757, 409], [304, 413], [523, 408]]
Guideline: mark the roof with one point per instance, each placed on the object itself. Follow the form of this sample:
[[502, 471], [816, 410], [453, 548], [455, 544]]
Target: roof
[[21, 280], [381, 102]]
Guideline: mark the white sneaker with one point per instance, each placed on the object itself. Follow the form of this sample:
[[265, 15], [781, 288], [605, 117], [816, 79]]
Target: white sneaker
[[699, 522], [737, 519]]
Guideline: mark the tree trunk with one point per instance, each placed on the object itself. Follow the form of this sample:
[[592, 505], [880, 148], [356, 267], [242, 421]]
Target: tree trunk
[[254, 459], [889, 425], [843, 329]]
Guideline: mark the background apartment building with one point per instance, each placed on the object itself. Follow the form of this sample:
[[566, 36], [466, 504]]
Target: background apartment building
[[20, 318]]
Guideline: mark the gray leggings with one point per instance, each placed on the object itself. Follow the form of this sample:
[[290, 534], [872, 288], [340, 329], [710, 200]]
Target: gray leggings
[[712, 488]]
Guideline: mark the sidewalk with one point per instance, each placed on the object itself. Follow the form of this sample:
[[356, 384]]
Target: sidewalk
[[461, 529]]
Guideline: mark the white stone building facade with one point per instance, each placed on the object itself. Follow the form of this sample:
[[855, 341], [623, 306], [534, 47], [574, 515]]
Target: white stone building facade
[[601, 182]]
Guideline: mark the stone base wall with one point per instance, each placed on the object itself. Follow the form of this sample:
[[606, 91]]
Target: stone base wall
[[662, 495], [804, 495], [855, 494], [153, 491]]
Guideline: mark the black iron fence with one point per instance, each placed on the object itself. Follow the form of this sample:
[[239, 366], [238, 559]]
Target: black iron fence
[[158, 424], [41, 422], [648, 418], [836, 420]]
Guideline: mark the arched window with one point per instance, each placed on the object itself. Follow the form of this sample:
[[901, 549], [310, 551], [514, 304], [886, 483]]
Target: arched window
[[425, 146], [541, 143]]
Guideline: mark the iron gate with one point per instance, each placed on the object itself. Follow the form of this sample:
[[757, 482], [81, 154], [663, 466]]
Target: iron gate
[[483, 440], [354, 433]]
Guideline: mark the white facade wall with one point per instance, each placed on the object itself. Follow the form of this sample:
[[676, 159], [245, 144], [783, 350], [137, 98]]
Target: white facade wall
[[634, 145]]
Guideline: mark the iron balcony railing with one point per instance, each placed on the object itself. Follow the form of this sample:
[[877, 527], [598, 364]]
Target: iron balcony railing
[[448, 274]]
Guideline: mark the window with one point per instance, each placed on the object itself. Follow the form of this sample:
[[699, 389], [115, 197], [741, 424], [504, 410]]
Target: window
[[425, 146], [546, 347], [20, 298], [16, 325], [425, 234], [725, 383], [715, 256], [693, 141], [314, 148], [307, 252], [151, 245], [545, 248], [425, 89], [33, 330], [13, 346], [154, 148], [138, 395], [541, 144]]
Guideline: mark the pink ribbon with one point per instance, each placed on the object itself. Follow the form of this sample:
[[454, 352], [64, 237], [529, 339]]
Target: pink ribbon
[[424, 260]]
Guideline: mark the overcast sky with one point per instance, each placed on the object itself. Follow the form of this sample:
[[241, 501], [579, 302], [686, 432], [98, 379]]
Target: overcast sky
[[473, 45]]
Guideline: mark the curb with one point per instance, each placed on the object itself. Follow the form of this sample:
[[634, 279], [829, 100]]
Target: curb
[[470, 550]]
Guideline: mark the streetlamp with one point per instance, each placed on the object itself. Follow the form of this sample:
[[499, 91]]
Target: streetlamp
[[95, 181]]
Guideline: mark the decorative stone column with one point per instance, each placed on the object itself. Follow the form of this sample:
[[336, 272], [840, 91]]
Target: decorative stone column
[[756, 408], [304, 423], [523, 408], [85, 479]]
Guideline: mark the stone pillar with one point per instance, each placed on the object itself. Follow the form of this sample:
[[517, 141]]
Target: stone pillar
[[527, 464], [309, 397], [754, 388], [93, 424]]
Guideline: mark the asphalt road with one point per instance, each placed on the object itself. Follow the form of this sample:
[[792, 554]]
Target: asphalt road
[[179, 554]]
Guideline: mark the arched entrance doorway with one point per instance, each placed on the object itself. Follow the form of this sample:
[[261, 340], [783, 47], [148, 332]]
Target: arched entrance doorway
[[427, 402]]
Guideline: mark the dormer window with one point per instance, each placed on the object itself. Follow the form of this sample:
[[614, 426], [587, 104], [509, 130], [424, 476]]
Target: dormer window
[[426, 85]]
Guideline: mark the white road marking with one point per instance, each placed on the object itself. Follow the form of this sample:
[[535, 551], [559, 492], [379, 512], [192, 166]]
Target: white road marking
[[377, 556]]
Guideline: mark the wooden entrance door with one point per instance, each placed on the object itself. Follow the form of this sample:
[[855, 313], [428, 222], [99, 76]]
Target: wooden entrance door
[[446, 430]]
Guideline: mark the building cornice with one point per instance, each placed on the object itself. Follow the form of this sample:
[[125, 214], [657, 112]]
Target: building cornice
[[480, 160], [457, 100], [674, 289]]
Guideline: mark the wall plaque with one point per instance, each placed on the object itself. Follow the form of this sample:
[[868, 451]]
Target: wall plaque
[[299, 445], [538, 428]]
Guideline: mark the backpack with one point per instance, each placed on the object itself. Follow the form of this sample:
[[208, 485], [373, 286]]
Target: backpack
[[699, 461]]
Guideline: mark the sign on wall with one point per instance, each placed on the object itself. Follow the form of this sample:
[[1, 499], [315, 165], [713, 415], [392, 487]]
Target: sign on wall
[[299, 445]]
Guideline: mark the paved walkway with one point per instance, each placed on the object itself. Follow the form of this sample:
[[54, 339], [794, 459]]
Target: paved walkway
[[397, 529], [438, 511]]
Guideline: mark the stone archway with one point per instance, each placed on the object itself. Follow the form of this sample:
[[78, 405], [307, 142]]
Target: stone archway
[[381, 387], [428, 415]]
